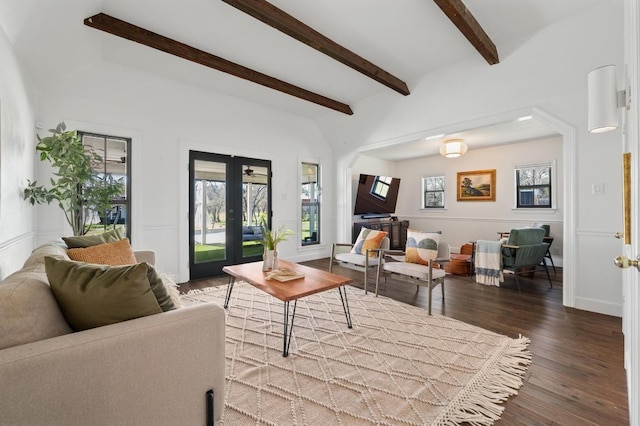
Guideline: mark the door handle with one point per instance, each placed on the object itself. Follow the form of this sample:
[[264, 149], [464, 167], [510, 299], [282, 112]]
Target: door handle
[[618, 235], [624, 262]]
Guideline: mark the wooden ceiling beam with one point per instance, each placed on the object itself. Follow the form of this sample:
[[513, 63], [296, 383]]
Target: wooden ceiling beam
[[462, 18], [148, 38], [282, 21]]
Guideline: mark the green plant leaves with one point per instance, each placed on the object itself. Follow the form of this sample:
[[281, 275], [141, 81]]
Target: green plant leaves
[[78, 188]]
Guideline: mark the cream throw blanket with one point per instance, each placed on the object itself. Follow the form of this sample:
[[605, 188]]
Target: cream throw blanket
[[488, 262]]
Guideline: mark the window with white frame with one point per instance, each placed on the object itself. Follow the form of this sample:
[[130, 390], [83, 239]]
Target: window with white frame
[[534, 186], [433, 191], [310, 208]]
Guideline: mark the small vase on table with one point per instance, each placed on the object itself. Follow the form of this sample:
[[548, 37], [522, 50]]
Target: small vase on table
[[268, 260]]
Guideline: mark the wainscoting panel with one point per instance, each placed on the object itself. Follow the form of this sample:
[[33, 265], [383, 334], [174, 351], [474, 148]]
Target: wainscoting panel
[[159, 238], [598, 281], [14, 252]]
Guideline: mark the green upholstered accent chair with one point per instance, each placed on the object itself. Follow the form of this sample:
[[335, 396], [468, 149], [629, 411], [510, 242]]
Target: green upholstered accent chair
[[524, 252]]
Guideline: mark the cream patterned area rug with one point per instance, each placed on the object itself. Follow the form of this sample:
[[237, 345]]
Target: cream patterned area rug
[[396, 366]]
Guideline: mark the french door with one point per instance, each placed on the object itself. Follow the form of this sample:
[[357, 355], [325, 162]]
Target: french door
[[228, 198]]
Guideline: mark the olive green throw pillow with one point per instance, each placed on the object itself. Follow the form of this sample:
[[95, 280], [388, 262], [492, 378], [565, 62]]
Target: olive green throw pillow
[[92, 295], [109, 236]]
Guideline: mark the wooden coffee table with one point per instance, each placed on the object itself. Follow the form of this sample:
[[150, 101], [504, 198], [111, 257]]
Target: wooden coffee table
[[314, 281]]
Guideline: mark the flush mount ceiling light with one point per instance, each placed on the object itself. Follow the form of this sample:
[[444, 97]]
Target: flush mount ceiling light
[[452, 148]]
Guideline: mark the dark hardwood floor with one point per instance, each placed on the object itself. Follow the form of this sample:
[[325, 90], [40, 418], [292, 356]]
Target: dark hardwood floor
[[577, 375]]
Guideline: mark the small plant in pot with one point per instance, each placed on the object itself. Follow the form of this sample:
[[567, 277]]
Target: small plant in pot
[[76, 186], [271, 239]]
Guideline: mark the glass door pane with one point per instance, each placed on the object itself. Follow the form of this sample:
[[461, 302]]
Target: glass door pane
[[255, 208], [210, 207]]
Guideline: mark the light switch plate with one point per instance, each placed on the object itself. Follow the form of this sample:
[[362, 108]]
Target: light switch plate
[[597, 188]]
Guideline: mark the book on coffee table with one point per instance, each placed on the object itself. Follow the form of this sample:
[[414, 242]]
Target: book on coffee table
[[284, 274]]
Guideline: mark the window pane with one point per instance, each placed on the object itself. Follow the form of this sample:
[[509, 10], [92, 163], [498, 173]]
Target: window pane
[[541, 175], [210, 208], [541, 197], [526, 177], [533, 186], [114, 166], [310, 223], [434, 199], [255, 207], [526, 197], [433, 191], [310, 204], [255, 190], [438, 183]]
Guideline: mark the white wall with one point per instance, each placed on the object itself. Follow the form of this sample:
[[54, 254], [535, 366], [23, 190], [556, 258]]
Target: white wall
[[548, 71], [17, 141], [166, 119]]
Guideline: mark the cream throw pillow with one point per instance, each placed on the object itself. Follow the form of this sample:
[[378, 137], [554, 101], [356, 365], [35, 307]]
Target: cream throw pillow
[[421, 247]]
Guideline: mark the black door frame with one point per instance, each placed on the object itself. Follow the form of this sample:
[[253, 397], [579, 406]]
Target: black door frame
[[233, 229]]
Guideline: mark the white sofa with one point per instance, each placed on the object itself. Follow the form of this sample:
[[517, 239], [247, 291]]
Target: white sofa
[[154, 370]]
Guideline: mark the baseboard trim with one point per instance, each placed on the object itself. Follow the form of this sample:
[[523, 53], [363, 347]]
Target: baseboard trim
[[593, 305]]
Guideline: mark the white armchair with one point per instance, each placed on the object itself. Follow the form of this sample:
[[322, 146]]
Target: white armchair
[[341, 253], [420, 275]]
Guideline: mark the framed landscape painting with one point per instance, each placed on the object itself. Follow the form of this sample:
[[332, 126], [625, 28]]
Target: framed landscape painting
[[478, 185]]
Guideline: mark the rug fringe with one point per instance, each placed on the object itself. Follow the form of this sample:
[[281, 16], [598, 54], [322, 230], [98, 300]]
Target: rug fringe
[[478, 404]]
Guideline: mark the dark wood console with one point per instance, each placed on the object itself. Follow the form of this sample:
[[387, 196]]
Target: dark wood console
[[397, 231]]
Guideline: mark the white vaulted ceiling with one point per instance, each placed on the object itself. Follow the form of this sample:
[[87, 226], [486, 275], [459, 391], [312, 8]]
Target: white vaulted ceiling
[[407, 38]]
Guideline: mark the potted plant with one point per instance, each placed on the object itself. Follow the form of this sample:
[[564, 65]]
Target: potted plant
[[76, 186], [271, 239]]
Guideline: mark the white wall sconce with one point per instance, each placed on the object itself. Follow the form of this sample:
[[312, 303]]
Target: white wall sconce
[[452, 148], [604, 99]]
